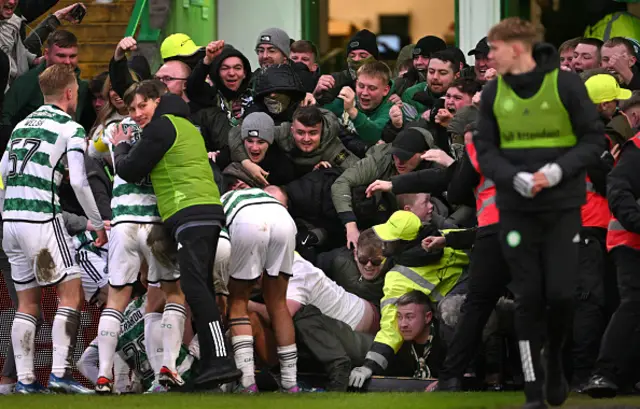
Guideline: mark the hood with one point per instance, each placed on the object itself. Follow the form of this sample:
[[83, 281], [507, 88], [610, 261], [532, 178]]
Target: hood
[[279, 78], [309, 79], [618, 129], [229, 51], [171, 104], [238, 171], [547, 59]]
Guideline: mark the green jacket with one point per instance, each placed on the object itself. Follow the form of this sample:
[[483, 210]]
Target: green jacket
[[25, 96], [367, 124], [620, 24], [331, 148], [377, 165]]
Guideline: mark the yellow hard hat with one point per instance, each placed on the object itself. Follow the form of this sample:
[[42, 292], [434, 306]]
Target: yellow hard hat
[[178, 45]]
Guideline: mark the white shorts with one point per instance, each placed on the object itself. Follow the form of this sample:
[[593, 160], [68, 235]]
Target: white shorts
[[263, 238], [94, 272], [128, 248], [221, 266], [41, 254]]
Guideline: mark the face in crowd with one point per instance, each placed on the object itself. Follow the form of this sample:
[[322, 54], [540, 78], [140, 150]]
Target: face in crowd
[[306, 138], [7, 8], [585, 57], [269, 55], [413, 320], [141, 110], [440, 75], [371, 90], [232, 73], [405, 166], [256, 148], [455, 99], [481, 66]]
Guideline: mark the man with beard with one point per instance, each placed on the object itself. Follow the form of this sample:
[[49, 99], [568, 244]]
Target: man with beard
[[586, 55], [619, 58], [444, 67], [362, 48], [421, 53], [273, 47]]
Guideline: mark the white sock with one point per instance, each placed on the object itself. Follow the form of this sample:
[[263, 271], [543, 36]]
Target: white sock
[[288, 356], [172, 331], [153, 340], [243, 354], [64, 332], [23, 333], [108, 332]]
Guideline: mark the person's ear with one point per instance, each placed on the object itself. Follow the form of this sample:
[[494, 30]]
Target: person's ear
[[428, 317]]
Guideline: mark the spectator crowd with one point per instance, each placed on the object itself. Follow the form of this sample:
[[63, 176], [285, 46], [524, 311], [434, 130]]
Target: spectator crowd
[[345, 224]]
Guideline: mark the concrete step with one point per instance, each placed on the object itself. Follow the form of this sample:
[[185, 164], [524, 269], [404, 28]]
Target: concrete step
[[91, 69], [106, 32], [95, 51]]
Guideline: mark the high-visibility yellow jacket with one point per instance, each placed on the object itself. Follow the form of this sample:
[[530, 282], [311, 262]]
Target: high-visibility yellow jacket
[[435, 280], [620, 24]]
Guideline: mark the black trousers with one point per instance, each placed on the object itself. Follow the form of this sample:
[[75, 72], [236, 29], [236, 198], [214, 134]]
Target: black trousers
[[620, 338], [197, 243], [542, 252], [488, 277], [589, 319]]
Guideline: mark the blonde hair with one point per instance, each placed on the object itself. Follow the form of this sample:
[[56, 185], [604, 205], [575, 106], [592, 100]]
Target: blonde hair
[[376, 69], [55, 79], [516, 29], [108, 109]]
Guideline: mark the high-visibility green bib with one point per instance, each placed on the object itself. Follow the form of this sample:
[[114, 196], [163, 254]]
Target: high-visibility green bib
[[537, 122]]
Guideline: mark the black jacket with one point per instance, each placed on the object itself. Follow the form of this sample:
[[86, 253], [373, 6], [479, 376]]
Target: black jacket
[[281, 79], [214, 126], [502, 165], [623, 188], [205, 95], [134, 163]]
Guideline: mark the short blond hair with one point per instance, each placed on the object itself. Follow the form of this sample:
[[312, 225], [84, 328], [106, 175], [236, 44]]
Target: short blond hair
[[376, 69], [56, 79], [516, 29]]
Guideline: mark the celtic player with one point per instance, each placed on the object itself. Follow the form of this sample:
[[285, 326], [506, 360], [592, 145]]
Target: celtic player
[[35, 240], [136, 236]]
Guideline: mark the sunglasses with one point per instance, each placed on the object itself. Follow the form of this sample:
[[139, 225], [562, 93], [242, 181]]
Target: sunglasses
[[374, 261]]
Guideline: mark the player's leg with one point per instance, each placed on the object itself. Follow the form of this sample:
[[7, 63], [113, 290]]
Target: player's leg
[[153, 328], [521, 238], [278, 266], [248, 254], [561, 258], [196, 253], [56, 265], [163, 270], [23, 330], [123, 266], [88, 362], [8, 376]]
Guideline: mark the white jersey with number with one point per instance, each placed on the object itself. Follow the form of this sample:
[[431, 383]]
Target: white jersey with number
[[36, 150]]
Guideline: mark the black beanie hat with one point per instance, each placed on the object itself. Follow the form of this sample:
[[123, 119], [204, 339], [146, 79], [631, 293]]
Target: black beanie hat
[[429, 45], [364, 40]]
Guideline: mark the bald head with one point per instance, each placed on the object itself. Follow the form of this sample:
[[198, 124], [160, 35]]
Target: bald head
[[174, 74], [278, 193]]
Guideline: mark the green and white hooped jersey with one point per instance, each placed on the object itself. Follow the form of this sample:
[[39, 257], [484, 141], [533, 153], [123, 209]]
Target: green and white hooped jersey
[[131, 202], [36, 150], [236, 200], [131, 346], [85, 241]]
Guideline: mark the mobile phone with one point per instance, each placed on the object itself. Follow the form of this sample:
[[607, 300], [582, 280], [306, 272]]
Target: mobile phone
[[78, 13]]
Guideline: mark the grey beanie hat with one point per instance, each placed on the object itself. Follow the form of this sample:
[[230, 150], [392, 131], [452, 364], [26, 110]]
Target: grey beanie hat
[[277, 38], [259, 125]]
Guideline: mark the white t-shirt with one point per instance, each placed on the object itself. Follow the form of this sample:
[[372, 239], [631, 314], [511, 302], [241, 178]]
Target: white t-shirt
[[310, 286]]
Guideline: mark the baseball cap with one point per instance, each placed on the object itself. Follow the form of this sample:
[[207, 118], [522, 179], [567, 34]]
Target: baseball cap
[[605, 88], [178, 45], [408, 142], [402, 225], [481, 48]]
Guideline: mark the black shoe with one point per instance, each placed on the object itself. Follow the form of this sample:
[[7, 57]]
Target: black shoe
[[535, 405], [601, 387], [449, 385], [218, 373]]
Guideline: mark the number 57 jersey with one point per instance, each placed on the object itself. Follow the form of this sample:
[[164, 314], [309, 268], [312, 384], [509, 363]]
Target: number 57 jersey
[[35, 166]]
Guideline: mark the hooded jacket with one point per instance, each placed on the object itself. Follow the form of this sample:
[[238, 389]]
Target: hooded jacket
[[331, 148], [134, 163], [502, 165], [278, 79], [233, 103]]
